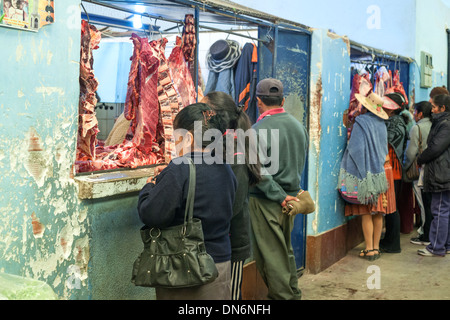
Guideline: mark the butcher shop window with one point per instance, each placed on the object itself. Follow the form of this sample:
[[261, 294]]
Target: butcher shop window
[[131, 126], [149, 76]]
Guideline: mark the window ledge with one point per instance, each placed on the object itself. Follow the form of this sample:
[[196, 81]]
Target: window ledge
[[106, 184]]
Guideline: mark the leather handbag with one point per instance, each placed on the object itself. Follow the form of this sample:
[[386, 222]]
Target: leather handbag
[[412, 173], [305, 205], [175, 257]]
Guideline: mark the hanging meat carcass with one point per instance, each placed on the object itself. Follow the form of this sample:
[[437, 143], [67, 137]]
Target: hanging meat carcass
[[188, 44], [87, 121], [151, 105], [189, 39], [397, 86], [181, 76], [382, 78], [170, 102], [361, 85]]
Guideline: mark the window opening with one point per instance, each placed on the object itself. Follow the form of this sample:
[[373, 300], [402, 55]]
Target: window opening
[[104, 116]]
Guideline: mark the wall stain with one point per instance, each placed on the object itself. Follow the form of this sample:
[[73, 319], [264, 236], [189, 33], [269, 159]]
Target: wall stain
[[38, 227]]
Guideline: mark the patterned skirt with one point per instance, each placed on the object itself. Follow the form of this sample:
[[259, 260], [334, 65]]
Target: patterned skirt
[[386, 201]]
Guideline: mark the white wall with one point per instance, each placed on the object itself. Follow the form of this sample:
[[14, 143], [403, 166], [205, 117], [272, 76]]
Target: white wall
[[382, 24], [431, 36]]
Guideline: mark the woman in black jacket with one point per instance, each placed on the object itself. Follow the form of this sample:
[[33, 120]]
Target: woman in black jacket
[[247, 173], [436, 158], [162, 204]]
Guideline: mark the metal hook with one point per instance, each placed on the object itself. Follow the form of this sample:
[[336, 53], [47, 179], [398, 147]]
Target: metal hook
[[268, 36], [85, 12]]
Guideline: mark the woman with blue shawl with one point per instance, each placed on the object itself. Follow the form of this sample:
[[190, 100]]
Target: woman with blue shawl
[[365, 177]]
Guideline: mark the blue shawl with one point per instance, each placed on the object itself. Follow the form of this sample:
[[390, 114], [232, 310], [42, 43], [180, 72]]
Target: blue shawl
[[362, 166]]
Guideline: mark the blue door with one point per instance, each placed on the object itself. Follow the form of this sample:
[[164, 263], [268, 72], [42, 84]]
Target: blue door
[[287, 58]]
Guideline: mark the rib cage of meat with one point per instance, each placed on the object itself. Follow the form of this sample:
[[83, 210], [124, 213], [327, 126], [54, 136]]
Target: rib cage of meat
[[169, 100], [87, 121], [181, 76], [151, 104]]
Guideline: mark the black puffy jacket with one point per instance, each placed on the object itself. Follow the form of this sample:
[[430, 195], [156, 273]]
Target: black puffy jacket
[[436, 156]]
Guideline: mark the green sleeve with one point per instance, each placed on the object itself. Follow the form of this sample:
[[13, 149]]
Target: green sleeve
[[268, 185]]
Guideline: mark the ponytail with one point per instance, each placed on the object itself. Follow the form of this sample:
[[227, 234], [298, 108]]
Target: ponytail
[[224, 105]]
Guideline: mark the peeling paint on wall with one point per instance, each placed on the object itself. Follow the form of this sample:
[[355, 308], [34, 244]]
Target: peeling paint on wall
[[38, 227], [315, 128], [36, 163], [344, 38], [47, 91], [41, 217]]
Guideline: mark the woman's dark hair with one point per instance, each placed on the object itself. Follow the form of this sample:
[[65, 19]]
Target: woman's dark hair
[[438, 91], [442, 100], [424, 107], [236, 118], [200, 113]]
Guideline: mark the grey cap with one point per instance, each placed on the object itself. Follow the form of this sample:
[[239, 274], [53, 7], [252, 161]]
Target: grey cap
[[269, 87]]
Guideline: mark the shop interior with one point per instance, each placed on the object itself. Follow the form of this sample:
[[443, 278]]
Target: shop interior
[[117, 21]]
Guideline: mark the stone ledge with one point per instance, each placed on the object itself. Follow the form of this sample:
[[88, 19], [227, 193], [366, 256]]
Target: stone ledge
[[106, 184]]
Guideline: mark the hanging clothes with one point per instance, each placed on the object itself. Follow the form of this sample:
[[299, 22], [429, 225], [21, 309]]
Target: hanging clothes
[[221, 60], [245, 80]]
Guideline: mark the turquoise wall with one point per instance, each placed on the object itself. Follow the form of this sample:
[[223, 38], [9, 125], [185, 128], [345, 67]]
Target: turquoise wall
[[330, 96], [82, 249], [43, 227]]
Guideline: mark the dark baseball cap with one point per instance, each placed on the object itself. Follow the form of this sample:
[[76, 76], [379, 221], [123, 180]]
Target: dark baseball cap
[[269, 87]]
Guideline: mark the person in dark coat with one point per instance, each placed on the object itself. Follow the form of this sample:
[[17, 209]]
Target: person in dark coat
[[436, 158], [397, 132], [247, 174], [162, 204]]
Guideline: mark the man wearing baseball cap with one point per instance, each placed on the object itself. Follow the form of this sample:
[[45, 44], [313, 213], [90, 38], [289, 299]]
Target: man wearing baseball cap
[[284, 144]]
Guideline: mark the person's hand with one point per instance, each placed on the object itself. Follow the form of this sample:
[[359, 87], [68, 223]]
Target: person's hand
[[158, 169], [156, 172], [287, 199]]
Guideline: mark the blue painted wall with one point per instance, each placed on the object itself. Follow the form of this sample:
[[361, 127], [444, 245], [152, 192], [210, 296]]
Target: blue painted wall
[[43, 228], [82, 249], [330, 96]]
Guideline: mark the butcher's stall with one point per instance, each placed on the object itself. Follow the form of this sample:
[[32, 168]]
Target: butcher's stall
[[140, 64]]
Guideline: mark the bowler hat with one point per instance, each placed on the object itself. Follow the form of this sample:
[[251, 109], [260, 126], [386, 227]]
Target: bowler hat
[[223, 54]]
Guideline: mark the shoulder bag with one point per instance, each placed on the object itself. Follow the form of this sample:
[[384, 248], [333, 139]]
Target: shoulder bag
[[175, 257], [412, 173]]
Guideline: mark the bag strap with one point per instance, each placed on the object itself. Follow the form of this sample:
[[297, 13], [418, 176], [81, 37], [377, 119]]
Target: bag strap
[[189, 212]]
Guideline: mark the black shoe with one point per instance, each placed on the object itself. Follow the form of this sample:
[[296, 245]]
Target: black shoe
[[419, 241], [384, 250]]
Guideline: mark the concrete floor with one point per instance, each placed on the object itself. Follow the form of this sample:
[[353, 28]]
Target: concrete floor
[[401, 276]]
